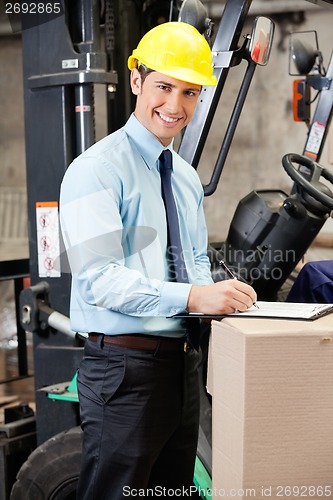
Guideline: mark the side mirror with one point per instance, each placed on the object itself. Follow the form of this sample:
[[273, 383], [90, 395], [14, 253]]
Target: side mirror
[[303, 58], [193, 12], [261, 40]]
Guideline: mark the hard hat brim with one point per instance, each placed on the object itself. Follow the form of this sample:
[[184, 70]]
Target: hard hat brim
[[179, 73]]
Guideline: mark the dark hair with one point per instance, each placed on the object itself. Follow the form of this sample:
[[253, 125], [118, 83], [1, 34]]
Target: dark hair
[[144, 71]]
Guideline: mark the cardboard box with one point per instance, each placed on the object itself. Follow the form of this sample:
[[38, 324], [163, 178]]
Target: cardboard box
[[271, 383]]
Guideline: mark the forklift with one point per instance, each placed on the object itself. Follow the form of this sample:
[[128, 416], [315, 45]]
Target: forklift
[[66, 54]]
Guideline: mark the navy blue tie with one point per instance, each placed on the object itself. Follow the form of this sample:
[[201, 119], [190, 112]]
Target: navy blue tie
[[178, 270], [175, 255]]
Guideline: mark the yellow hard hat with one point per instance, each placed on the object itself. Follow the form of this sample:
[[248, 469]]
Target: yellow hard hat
[[178, 50]]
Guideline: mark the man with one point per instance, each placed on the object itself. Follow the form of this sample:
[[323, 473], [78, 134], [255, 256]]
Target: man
[[314, 283], [138, 381]]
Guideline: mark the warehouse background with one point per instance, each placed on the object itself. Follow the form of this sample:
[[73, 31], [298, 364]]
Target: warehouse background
[[265, 133]]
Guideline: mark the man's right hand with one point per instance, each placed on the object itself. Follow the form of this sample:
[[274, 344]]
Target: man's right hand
[[223, 297]]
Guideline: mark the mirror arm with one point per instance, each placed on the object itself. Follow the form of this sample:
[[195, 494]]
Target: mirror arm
[[210, 188], [241, 53], [318, 82], [231, 58]]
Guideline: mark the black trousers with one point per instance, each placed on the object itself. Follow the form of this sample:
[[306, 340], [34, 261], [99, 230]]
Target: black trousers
[[140, 419]]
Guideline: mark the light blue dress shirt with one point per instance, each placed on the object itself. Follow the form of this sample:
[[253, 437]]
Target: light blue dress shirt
[[114, 227]]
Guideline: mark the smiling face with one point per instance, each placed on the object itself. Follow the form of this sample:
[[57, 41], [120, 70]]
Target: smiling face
[[164, 105]]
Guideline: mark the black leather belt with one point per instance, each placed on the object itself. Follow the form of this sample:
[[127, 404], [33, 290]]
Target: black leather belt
[[144, 342]]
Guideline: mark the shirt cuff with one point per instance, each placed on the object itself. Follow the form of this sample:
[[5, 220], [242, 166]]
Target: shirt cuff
[[173, 298]]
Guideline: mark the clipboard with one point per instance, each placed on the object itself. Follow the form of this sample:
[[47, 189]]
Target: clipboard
[[273, 310]]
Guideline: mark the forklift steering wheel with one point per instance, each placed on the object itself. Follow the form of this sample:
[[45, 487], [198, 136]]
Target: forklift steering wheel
[[309, 186]]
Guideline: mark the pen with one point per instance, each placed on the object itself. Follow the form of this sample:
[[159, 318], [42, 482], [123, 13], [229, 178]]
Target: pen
[[231, 275]]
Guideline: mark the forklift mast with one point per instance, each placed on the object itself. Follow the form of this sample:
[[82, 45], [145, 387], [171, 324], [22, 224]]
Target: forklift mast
[[62, 61]]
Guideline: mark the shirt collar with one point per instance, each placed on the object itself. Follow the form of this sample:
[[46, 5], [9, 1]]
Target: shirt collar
[[148, 146]]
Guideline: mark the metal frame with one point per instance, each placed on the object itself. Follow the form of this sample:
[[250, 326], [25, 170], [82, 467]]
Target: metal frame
[[226, 40], [323, 112]]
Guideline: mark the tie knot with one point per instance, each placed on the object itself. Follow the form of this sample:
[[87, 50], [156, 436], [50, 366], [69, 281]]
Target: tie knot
[[166, 159]]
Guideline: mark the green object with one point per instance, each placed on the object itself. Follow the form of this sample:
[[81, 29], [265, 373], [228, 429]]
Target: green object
[[202, 479], [73, 385], [64, 392]]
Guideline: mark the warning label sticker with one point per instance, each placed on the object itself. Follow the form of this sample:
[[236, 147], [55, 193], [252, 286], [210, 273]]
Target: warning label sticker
[[315, 137], [48, 243]]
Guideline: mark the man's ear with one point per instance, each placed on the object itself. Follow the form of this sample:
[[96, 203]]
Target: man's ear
[[135, 81]]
